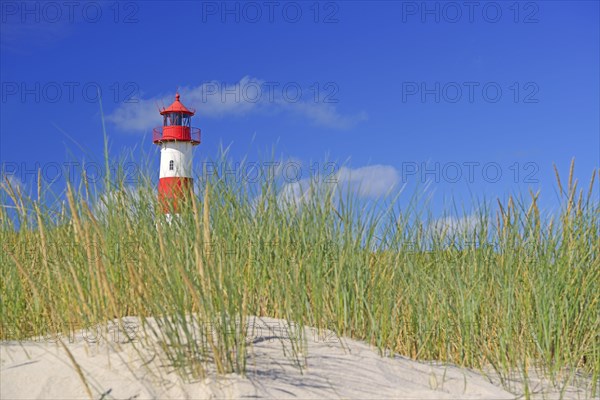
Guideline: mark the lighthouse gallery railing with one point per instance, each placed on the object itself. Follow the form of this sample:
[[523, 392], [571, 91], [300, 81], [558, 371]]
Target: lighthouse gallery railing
[[157, 135]]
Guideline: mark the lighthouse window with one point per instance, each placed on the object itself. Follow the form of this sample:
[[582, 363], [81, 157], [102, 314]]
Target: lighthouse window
[[176, 119], [171, 165]]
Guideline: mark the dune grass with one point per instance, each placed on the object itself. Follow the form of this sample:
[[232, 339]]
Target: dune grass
[[515, 290]]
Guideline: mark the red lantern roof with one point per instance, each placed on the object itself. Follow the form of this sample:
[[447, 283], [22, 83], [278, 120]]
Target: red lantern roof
[[176, 107]]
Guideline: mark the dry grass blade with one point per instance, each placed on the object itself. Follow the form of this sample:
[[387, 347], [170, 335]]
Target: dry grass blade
[[560, 187], [571, 172], [78, 369], [591, 187], [206, 220]]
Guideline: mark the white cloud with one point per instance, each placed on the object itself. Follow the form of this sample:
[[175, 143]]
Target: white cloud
[[138, 116], [454, 226], [214, 99], [371, 181], [129, 196], [295, 193], [217, 100], [368, 182]]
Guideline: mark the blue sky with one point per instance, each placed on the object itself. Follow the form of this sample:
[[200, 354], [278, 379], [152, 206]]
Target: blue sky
[[486, 98]]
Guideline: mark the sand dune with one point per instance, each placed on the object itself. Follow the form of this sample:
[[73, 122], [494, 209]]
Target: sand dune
[[334, 369]]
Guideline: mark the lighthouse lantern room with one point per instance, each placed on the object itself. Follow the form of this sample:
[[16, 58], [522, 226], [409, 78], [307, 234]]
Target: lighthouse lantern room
[[176, 138]]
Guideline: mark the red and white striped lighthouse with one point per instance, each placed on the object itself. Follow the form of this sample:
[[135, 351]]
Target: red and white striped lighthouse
[[176, 139]]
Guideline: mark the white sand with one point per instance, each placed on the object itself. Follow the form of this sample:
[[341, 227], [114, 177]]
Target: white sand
[[42, 370]]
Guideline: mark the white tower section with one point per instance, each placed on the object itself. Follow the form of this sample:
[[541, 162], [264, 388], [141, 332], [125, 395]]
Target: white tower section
[[176, 160]]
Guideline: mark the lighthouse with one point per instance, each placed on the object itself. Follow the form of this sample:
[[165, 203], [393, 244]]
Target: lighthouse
[[176, 139]]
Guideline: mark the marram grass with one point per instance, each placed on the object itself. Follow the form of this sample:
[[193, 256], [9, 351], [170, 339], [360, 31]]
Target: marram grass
[[528, 299]]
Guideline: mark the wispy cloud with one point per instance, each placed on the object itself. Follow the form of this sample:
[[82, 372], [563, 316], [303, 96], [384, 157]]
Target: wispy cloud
[[367, 182], [324, 114], [24, 38], [248, 96]]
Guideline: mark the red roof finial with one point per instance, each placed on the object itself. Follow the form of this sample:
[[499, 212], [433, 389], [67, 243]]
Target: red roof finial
[[177, 107]]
